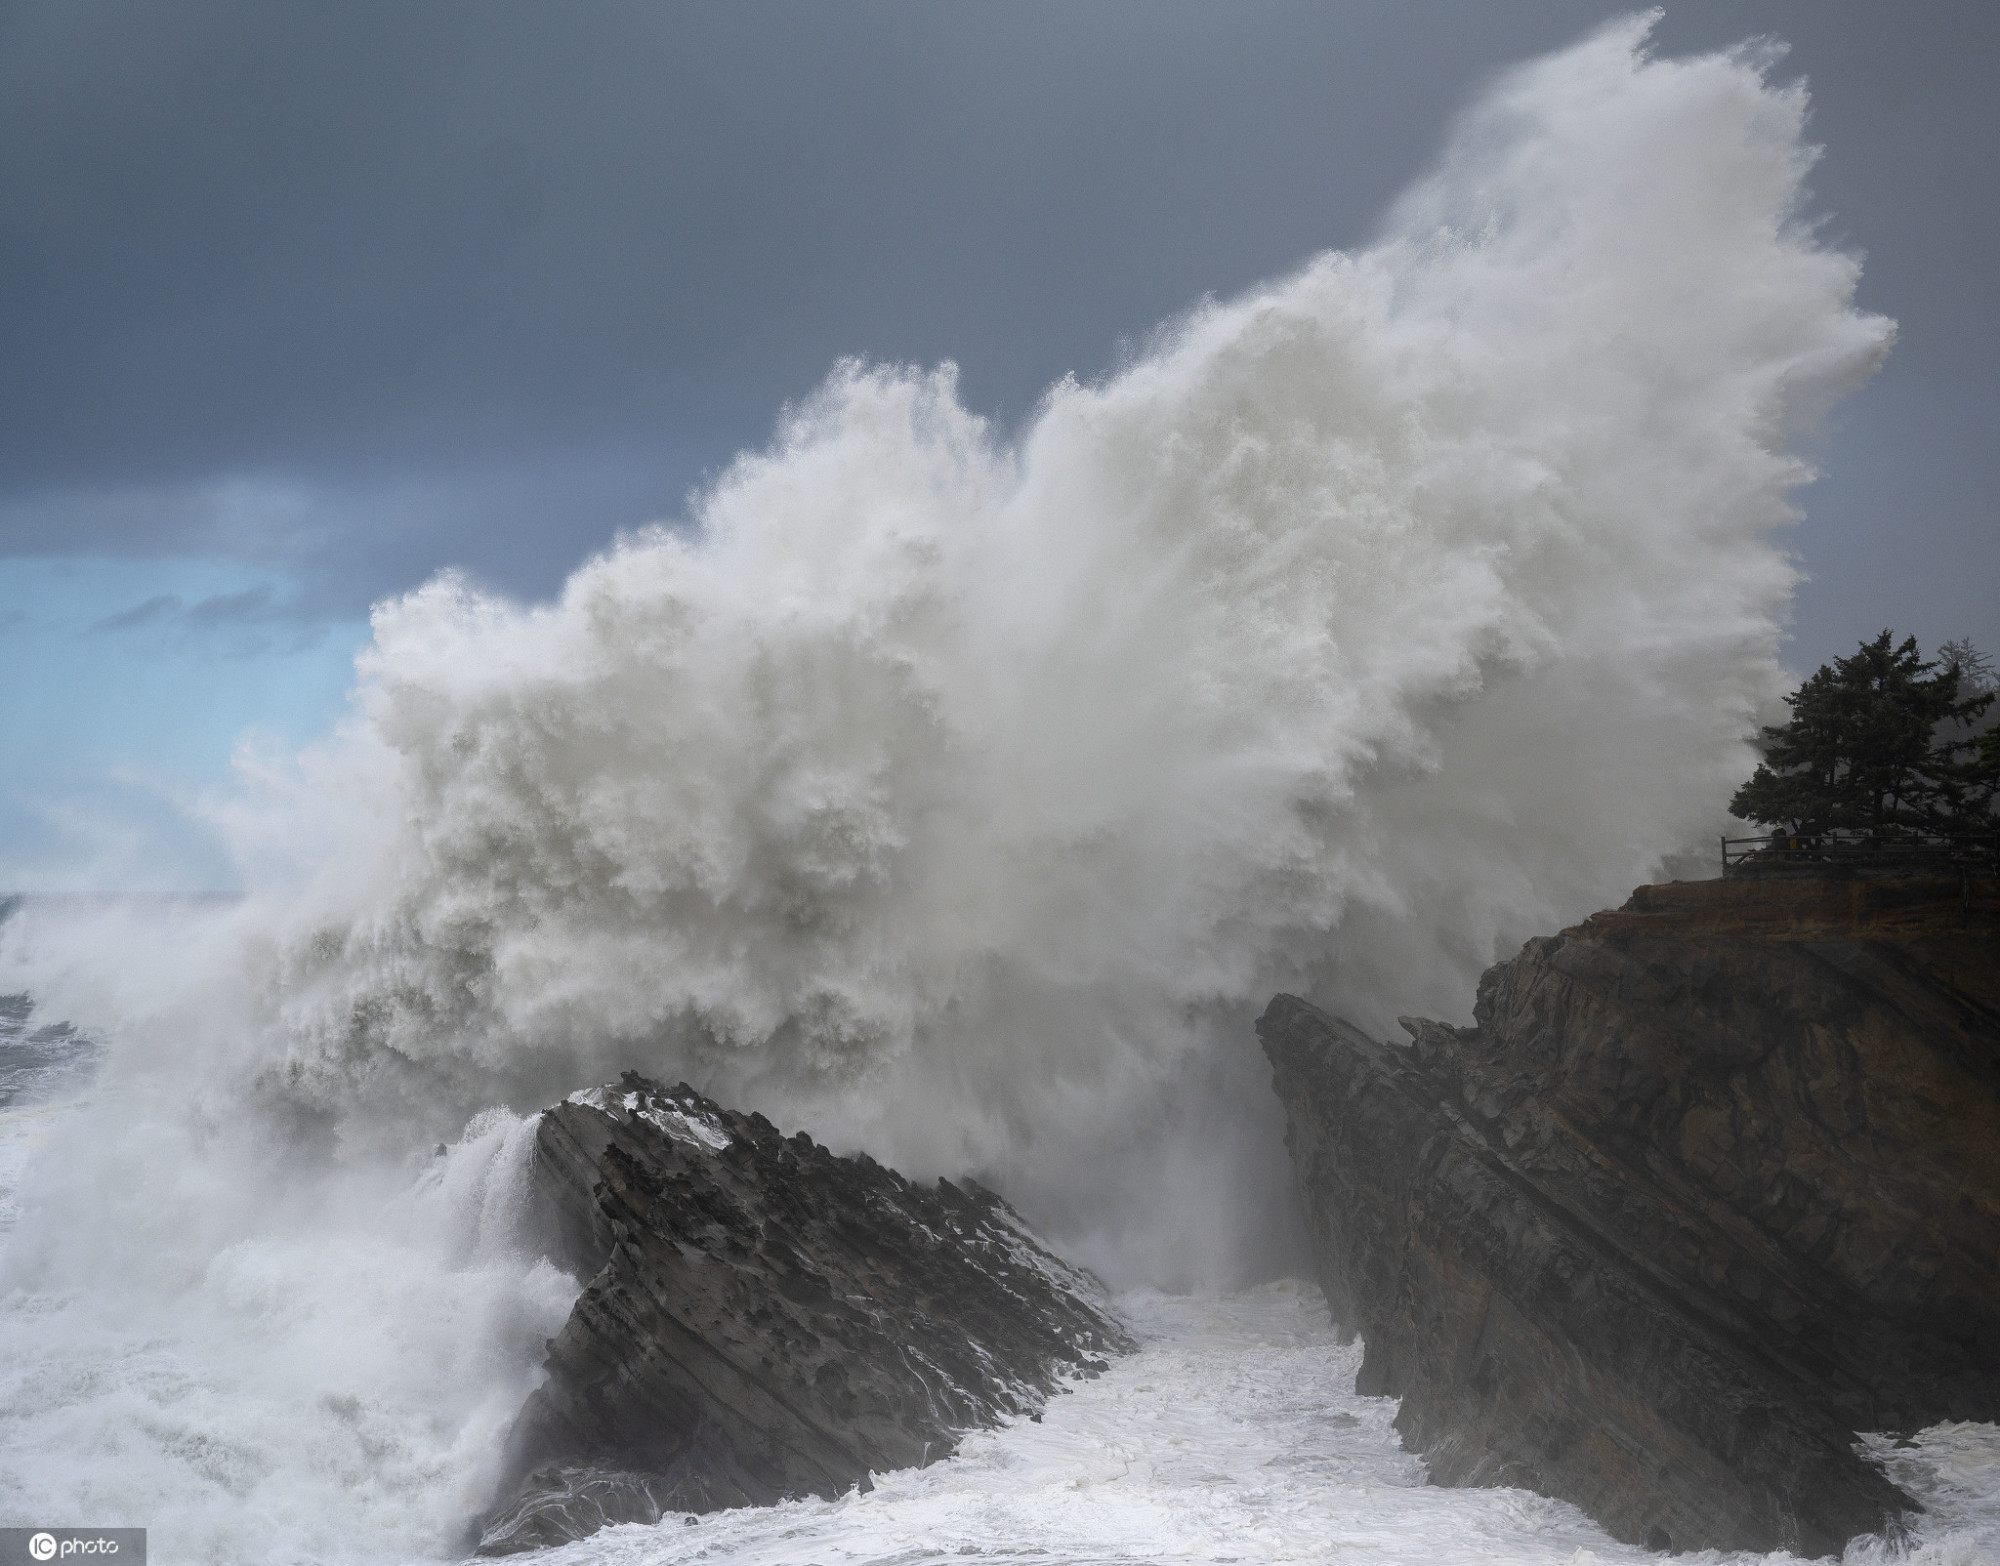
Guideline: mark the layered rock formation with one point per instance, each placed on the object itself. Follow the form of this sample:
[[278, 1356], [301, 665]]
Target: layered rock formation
[[1712, 1184], [766, 1320]]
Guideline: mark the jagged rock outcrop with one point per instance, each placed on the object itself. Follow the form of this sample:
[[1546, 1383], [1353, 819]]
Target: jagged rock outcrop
[[1712, 1184], [766, 1320]]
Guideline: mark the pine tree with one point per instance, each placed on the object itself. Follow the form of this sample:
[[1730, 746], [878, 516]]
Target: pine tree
[[1878, 744], [1965, 760]]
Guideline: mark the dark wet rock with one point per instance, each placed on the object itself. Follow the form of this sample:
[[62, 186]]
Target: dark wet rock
[[1712, 1184], [765, 1320]]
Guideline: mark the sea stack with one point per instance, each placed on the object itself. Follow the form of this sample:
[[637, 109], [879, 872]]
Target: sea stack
[[1711, 1185], [766, 1320]]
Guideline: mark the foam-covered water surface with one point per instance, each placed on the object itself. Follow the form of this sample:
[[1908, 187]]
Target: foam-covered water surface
[[326, 1381], [1234, 1435]]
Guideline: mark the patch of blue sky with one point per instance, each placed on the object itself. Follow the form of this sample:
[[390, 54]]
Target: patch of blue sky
[[125, 687]]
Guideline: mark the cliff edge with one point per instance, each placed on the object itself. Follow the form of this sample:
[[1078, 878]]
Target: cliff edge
[[1712, 1183]]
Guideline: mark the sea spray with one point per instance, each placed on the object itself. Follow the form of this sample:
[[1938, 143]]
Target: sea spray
[[961, 797], [953, 796]]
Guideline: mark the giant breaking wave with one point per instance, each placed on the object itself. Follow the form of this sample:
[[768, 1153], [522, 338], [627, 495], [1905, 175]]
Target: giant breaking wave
[[960, 797]]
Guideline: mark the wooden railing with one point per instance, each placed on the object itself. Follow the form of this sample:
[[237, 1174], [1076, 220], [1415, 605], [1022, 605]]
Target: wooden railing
[[1917, 852]]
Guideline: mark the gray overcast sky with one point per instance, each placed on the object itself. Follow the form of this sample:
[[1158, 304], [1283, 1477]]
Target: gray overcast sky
[[349, 292], [486, 281]]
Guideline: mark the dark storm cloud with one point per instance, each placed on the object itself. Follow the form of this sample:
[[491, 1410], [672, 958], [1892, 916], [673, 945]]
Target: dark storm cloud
[[533, 269], [155, 609], [246, 624], [376, 288], [253, 606]]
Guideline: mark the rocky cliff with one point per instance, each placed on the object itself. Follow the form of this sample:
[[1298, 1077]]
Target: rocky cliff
[[765, 1320], [1712, 1183]]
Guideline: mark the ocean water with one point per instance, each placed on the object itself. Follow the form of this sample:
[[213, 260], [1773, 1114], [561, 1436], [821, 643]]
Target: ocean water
[[1234, 1435], [961, 796], [42, 1065]]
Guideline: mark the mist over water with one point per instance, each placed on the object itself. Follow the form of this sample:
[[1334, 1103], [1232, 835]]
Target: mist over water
[[954, 794]]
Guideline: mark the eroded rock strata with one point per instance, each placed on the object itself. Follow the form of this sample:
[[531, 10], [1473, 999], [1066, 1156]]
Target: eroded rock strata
[[766, 1320], [1712, 1183]]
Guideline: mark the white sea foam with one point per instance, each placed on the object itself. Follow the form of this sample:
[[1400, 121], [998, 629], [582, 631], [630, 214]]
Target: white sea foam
[[958, 797], [1234, 1435]]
